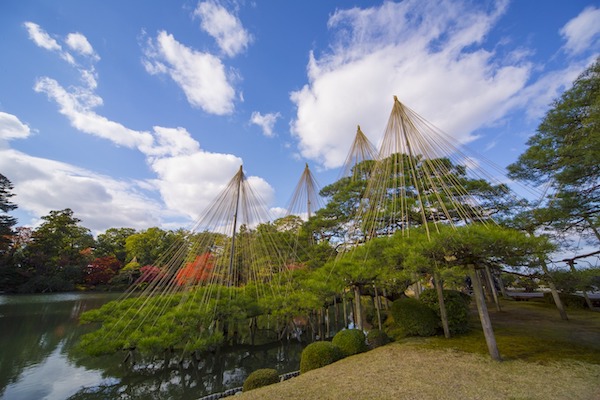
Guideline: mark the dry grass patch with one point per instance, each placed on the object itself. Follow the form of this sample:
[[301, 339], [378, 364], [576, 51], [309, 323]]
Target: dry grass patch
[[403, 371]]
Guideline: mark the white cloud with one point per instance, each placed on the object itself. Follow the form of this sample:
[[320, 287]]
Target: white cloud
[[190, 179], [187, 177], [172, 142], [12, 128], [190, 182], [75, 41], [101, 202], [582, 32], [538, 96], [201, 76], [223, 26], [79, 43], [278, 212], [425, 52], [266, 122], [78, 105], [41, 37]]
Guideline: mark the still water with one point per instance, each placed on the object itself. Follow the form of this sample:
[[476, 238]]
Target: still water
[[38, 359]]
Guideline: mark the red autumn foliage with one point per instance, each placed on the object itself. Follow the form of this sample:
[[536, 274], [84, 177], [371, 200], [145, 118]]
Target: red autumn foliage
[[149, 273], [101, 270], [197, 271]]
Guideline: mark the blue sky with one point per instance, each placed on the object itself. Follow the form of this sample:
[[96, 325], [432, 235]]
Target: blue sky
[[136, 114]]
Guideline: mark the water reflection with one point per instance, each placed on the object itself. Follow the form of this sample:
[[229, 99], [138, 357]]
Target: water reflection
[[38, 360], [190, 380], [51, 379]]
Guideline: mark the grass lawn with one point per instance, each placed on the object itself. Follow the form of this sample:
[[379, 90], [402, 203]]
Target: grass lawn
[[532, 331], [545, 358]]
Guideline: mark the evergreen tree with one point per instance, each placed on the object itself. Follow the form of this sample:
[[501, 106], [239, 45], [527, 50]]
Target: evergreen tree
[[564, 153], [6, 221]]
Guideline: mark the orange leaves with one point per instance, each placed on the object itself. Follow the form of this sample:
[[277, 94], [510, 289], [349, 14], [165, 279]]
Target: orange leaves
[[197, 271]]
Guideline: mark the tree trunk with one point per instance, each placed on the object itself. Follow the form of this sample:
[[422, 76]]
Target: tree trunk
[[358, 318], [439, 286], [327, 326], [385, 300], [253, 328], [377, 307], [336, 316], [345, 310], [484, 317], [311, 324], [490, 280], [555, 296]]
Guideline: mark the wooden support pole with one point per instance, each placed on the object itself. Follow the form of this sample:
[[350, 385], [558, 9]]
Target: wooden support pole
[[555, 295], [501, 283], [485, 286], [490, 280], [484, 317], [439, 286]]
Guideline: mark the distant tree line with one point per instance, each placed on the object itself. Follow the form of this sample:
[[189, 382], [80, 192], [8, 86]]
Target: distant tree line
[[61, 255]]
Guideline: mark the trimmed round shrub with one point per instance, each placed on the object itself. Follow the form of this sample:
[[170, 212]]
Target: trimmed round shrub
[[457, 308], [350, 341], [413, 318], [319, 354], [260, 377], [377, 338]]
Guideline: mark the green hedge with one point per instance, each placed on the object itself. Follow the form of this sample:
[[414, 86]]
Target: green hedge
[[319, 354], [413, 318], [260, 378], [457, 308], [350, 341], [377, 338]]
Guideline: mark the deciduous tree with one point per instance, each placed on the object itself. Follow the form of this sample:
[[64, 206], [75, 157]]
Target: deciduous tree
[[101, 270], [112, 243]]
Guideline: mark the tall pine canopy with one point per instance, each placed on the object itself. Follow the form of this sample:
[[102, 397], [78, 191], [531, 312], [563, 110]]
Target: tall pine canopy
[[6, 221], [564, 153]]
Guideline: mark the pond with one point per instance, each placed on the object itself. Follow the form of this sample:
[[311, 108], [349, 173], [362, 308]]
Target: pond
[[38, 358]]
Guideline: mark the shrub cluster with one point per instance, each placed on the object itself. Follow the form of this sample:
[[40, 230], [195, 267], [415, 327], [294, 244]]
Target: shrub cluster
[[260, 378], [457, 308], [350, 341], [319, 354], [377, 338], [413, 318]]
